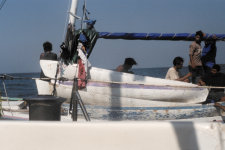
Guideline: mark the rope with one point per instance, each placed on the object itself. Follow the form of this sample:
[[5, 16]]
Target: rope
[[10, 99], [7, 96], [56, 74], [66, 23], [9, 77], [1, 111], [2, 4], [13, 110], [5, 76]]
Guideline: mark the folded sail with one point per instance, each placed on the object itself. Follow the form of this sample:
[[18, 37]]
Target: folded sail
[[156, 36]]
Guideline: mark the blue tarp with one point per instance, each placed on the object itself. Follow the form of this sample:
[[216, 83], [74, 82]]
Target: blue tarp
[[156, 36]]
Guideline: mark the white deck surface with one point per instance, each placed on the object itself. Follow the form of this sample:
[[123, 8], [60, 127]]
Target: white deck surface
[[160, 135]]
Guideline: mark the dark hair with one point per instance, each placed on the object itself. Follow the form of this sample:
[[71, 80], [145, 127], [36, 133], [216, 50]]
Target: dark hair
[[130, 61], [200, 33], [177, 60], [217, 67], [47, 46]]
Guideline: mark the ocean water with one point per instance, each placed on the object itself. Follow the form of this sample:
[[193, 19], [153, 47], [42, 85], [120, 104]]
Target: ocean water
[[26, 87], [19, 88], [156, 72]]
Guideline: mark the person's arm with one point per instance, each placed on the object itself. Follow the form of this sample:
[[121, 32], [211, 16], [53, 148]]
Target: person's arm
[[55, 57], [201, 83], [191, 51], [119, 68], [203, 80], [214, 48], [191, 54], [185, 78], [42, 56]]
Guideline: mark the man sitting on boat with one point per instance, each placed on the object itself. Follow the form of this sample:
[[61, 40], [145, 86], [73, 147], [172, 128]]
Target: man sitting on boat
[[214, 78], [174, 72], [128, 63], [47, 55]]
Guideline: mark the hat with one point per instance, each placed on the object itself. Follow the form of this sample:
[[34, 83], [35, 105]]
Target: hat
[[90, 22]]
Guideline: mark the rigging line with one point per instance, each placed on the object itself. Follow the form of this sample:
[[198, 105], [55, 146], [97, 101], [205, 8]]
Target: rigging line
[[67, 20], [2, 4], [3, 82], [9, 77], [90, 80], [84, 14], [56, 74]]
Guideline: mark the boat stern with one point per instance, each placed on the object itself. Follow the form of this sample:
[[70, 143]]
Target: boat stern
[[44, 87]]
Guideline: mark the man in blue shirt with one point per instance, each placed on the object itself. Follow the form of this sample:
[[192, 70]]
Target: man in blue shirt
[[209, 54]]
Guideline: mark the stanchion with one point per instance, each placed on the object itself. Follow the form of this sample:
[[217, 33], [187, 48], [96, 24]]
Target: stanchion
[[75, 100]]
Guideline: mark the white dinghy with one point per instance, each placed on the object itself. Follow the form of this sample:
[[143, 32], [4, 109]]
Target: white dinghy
[[111, 88]]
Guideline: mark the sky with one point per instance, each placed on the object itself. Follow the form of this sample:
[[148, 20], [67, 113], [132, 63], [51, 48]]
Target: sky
[[26, 24]]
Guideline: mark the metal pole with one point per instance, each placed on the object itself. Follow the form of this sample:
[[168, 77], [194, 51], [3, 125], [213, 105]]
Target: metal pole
[[83, 107], [74, 100]]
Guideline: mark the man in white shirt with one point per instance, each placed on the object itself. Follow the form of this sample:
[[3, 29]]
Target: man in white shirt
[[174, 73]]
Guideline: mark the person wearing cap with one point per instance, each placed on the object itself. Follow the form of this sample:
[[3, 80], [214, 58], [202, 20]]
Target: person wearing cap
[[90, 23], [128, 63], [195, 63]]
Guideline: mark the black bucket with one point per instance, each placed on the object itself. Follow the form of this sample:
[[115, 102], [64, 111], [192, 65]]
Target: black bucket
[[45, 107]]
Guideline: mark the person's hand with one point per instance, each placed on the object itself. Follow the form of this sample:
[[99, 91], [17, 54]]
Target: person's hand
[[187, 80], [214, 36], [203, 34], [63, 46], [189, 74], [201, 83], [193, 65]]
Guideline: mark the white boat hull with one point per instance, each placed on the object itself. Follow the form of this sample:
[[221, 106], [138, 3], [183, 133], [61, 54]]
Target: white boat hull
[[110, 88], [183, 111]]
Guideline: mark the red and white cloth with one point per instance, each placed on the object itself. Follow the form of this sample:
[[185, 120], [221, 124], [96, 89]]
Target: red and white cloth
[[83, 65]]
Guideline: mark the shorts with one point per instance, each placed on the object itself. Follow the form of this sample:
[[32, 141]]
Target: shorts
[[196, 72], [214, 97]]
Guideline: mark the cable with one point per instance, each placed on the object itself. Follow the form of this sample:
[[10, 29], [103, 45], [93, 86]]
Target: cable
[[7, 97], [67, 20], [2, 4]]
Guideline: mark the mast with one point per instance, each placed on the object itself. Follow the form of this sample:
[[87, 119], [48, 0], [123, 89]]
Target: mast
[[72, 12], [68, 46], [69, 49]]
